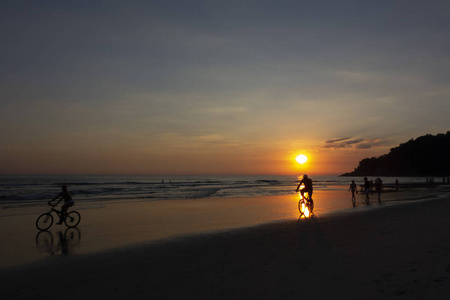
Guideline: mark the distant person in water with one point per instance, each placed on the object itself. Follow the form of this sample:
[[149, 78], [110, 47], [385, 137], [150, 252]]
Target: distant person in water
[[308, 187], [379, 187], [396, 184], [366, 189], [354, 189], [68, 202]]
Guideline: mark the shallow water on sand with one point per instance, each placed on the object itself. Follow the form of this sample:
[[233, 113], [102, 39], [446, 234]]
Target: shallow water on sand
[[114, 224]]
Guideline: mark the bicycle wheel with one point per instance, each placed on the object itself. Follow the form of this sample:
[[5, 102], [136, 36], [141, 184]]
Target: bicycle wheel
[[44, 221], [72, 234], [44, 238], [301, 206], [311, 205], [72, 219]]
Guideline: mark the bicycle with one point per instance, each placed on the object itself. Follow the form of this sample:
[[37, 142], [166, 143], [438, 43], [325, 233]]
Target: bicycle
[[45, 221], [305, 205]]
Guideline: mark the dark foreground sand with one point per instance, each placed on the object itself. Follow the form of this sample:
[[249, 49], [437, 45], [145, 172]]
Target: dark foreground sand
[[395, 252]]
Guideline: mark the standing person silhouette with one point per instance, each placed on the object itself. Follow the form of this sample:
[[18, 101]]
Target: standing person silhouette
[[307, 182], [379, 187], [68, 202], [354, 189], [367, 189]]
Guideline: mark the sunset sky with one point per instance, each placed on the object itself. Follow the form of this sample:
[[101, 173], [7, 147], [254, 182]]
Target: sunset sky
[[217, 87]]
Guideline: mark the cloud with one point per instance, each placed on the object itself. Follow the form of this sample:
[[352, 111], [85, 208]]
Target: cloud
[[333, 141], [369, 144], [353, 143]]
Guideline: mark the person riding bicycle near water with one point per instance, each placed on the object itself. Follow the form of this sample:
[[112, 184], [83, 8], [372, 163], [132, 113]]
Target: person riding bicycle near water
[[308, 187], [68, 202]]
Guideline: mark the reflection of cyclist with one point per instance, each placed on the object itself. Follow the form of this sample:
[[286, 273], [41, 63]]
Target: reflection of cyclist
[[68, 202], [308, 187]]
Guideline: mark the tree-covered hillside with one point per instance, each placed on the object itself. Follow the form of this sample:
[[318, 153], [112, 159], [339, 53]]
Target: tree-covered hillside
[[427, 155]]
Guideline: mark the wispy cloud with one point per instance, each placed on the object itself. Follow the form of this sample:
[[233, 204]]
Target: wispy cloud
[[333, 141], [353, 143]]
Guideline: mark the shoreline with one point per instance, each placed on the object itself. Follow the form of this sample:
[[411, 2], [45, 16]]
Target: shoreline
[[395, 251], [119, 224], [35, 190]]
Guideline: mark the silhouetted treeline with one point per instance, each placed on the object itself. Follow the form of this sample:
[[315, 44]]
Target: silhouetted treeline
[[427, 155]]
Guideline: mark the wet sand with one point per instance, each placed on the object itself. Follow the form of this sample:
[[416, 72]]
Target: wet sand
[[114, 224], [388, 252]]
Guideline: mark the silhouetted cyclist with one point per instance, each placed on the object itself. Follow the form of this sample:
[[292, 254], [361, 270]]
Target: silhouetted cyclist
[[68, 202], [308, 187]]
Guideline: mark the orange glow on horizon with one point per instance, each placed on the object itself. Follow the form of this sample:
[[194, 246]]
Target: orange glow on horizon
[[274, 160]]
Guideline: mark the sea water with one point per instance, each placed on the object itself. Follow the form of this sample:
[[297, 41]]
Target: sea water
[[30, 189], [163, 207]]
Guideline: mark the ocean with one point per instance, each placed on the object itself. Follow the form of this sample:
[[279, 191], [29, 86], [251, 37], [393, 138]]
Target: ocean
[[32, 189], [119, 211]]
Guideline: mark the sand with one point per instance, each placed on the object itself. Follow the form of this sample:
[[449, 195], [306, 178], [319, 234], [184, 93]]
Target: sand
[[389, 252], [111, 224]]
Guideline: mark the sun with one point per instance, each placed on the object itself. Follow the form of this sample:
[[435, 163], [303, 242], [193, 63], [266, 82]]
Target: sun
[[301, 159]]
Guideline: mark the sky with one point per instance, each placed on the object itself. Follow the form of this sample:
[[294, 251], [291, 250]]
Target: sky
[[217, 87]]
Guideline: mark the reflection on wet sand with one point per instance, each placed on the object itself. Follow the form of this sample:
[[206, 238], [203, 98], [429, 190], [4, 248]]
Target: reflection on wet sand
[[67, 241], [310, 217]]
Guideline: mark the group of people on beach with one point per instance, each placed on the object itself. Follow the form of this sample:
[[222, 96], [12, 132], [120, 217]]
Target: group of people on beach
[[367, 188], [430, 181], [305, 186]]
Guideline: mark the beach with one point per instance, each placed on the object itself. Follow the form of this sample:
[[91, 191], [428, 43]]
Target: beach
[[376, 252]]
